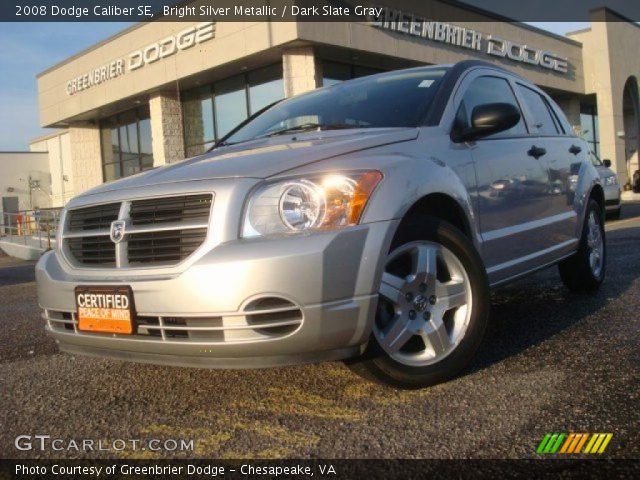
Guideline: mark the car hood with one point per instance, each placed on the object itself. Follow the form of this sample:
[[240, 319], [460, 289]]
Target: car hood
[[605, 172], [264, 158]]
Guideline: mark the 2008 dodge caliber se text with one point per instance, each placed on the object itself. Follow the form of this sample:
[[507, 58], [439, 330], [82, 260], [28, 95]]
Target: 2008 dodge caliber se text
[[366, 221]]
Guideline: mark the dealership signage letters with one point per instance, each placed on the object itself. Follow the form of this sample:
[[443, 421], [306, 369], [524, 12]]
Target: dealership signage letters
[[384, 17], [396, 20], [164, 48]]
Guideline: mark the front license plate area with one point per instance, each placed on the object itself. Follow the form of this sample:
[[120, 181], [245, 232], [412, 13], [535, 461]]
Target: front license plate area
[[105, 309]]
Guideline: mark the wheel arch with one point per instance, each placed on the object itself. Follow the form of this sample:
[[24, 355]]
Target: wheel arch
[[597, 193], [442, 206]]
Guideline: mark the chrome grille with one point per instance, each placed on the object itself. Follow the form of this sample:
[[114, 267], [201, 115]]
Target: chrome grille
[[164, 246], [159, 231], [93, 250], [93, 218], [187, 208]]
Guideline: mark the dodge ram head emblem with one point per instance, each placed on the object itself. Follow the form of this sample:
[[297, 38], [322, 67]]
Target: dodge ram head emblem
[[117, 231]]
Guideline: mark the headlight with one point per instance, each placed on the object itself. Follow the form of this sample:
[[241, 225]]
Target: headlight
[[309, 203], [612, 180]]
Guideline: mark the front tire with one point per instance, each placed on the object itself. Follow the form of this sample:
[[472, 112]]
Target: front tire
[[584, 271], [432, 311]]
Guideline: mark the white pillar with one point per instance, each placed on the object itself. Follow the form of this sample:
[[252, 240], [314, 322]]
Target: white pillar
[[610, 123], [86, 159], [166, 128], [301, 70]]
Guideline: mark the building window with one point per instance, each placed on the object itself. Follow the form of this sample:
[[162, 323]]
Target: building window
[[334, 72], [212, 111], [589, 127], [126, 144]]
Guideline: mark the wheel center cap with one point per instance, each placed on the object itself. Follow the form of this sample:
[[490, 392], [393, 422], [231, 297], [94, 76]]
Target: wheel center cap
[[420, 303]]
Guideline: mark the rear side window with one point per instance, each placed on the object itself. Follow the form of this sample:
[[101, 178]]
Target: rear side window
[[544, 120], [565, 126], [490, 90]]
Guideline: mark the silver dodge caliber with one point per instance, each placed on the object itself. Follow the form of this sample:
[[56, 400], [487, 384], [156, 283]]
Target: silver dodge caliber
[[365, 222]]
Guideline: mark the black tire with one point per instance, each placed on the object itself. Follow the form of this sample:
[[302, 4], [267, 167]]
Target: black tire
[[615, 214], [576, 272], [376, 365]]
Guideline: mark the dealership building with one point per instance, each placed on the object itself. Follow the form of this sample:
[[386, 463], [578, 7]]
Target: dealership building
[[159, 92]]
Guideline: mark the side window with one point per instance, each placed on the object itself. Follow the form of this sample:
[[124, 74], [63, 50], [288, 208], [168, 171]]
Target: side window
[[490, 90], [541, 111], [563, 124]]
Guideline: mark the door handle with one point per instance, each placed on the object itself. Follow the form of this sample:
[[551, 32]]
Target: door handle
[[575, 149], [536, 152]]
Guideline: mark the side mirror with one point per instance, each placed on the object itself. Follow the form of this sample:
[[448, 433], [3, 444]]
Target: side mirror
[[490, 118], [606, 162]]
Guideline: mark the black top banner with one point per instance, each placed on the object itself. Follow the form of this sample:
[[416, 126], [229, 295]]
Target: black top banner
[[316, 10]]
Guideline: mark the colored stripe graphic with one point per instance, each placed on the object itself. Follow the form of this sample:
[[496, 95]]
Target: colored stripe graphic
[[551, 442], [554, 448], [581, 443], [570, 439], [573, 441], [591, 442], [606, 441], [543, 443], [596, 443]]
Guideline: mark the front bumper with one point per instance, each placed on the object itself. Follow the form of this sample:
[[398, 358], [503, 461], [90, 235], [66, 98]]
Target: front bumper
[[612, 197], [330, 279]]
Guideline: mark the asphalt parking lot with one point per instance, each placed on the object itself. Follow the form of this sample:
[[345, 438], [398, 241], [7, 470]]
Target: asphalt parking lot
[[551, 362]]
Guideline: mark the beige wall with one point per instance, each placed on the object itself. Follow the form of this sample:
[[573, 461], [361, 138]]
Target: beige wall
[[610, 58], [233, 41], [360, 37], [58, 148]]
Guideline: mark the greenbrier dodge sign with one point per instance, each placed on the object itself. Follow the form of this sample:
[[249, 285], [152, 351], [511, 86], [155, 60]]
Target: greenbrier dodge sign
[[153, 52], [410, 24]]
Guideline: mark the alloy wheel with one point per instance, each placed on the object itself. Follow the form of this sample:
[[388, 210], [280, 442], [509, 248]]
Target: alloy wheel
[[424, 304], [595, 243]]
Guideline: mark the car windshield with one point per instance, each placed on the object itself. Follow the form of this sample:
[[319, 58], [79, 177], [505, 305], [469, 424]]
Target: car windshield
[[395, 99]]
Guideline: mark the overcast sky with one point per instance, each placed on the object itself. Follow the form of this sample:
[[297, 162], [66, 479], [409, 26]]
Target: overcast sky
[[28, 49]]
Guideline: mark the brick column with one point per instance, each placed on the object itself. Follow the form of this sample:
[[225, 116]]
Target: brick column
[[301, 70], [86, 164], [166, 128]]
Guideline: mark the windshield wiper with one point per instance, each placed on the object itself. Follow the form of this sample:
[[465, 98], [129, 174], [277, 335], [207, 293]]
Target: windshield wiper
[[310, 126], [304, 127]]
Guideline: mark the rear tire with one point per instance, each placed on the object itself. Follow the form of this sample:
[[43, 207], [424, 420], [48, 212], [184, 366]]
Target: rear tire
[[439, 309], [584, 271]]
